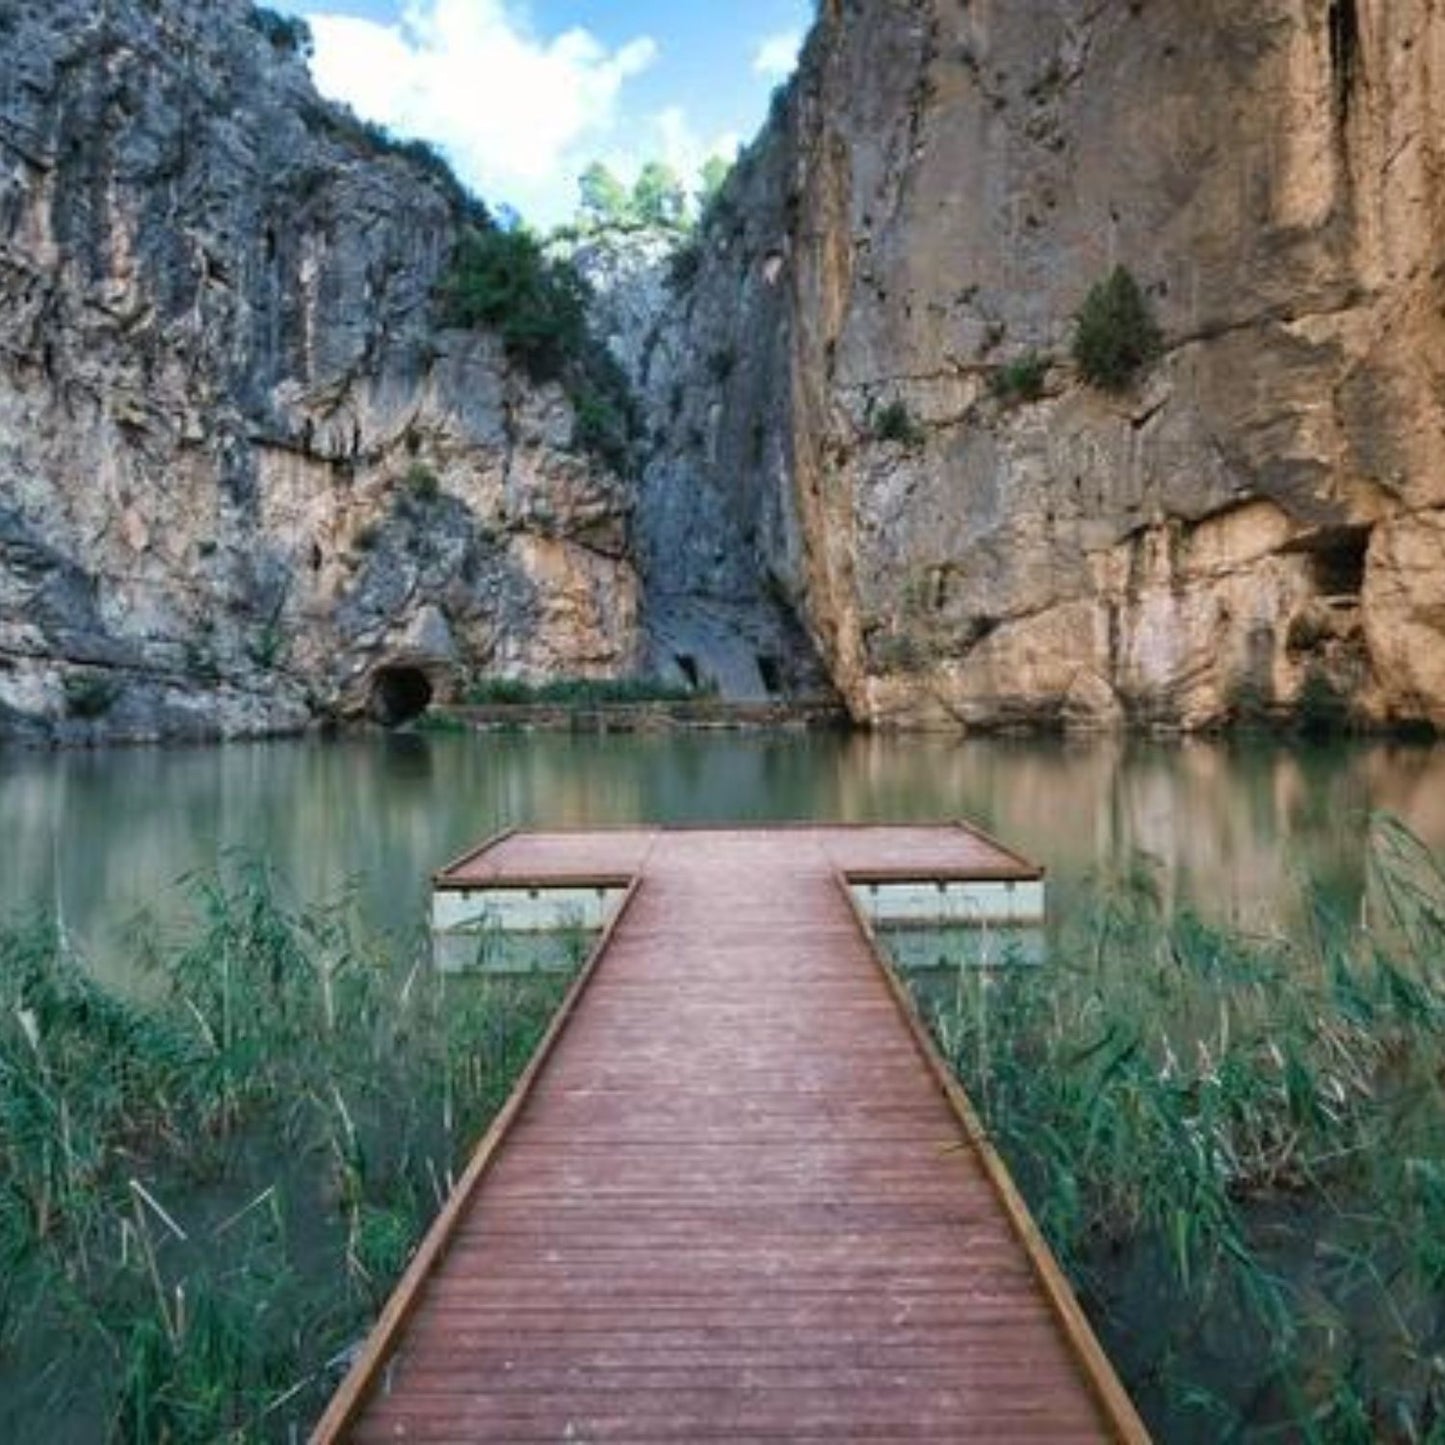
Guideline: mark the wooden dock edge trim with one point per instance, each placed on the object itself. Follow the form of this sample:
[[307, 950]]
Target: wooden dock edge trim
[[530, 882], [1094, 1363], [981, 873], [472, 854], [984, 836], [355, 1389], [744, 825]]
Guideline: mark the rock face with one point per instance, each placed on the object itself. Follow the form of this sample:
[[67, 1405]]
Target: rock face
[[713, 614], [245, 480], [1257, 526]]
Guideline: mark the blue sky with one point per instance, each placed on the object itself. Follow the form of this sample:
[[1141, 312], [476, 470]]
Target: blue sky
[[522, 94]]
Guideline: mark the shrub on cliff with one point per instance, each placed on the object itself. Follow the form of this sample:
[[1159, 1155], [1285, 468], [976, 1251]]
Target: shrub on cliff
[[895, 423], [1020, 380], [1116, 335], [287, 33], [538, 306]]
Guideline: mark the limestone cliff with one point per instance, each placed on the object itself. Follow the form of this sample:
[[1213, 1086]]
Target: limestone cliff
[[711, 613], [1257, 526], [245, 479]]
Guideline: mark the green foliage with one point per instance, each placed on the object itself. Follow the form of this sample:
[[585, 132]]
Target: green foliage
[[605, 200], [90, 694], [422, 483], [1250, 1124], [287, 33], [576, 692], [684, 264], [538, 306], [895, 423], [504, 281], [1021, 380], [1116, 335], [268, 648], [602, 428], [658, 197], [713, 177], [207, 1192]]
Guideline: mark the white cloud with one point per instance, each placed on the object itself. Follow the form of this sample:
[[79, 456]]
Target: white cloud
[[668, 136], [516, 114], [777, 56]]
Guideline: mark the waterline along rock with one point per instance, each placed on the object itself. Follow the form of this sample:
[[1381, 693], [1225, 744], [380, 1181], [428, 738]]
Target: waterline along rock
[[248, 478]]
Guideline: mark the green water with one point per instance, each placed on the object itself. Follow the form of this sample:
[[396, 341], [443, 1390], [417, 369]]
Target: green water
[[1233, 827]]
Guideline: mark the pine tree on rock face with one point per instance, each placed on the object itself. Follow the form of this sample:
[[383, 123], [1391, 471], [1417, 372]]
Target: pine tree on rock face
[[712, 178], [658, 197], [1116, 336], [605, 201]]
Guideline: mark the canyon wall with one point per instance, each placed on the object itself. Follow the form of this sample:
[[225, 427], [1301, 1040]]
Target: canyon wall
[[246, 478], [1255, 528]]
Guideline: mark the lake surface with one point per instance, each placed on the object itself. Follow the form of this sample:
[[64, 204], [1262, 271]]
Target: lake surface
[[1233, 827]]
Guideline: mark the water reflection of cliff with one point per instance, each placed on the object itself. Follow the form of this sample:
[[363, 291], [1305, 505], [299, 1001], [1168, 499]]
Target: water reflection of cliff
[[1232, 826]]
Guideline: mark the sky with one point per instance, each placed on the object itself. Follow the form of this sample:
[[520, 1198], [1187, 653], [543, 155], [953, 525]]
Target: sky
[[520, 95]]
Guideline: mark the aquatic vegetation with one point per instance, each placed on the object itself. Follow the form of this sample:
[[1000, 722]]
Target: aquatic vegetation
[[1236, 1145], [580, 692], [206, 1192]]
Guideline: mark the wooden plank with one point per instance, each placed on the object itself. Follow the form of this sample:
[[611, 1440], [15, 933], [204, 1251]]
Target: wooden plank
[[738, 1202], [347, 1401], [1128, 1426]]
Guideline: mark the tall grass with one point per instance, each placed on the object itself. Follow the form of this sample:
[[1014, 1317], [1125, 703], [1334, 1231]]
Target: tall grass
[[581, 692], [1236, 1145], [206, 1192]]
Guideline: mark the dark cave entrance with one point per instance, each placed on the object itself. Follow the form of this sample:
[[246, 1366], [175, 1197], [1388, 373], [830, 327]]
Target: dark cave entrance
[[399, 694], [687, 666], [770, 674], [1338, 559]]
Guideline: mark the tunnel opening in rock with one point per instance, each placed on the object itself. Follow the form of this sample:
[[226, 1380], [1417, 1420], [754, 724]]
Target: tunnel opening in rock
[[770, 673], [687, 666], [399, 695]]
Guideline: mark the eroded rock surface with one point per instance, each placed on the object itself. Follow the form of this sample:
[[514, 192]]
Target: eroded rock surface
[[243, 474], [1257, 527]]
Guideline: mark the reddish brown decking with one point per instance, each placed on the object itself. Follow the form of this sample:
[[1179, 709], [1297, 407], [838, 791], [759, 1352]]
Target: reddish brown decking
[[737, 1201]]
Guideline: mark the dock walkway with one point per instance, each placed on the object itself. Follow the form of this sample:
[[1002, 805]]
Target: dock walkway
[[736, 1201]]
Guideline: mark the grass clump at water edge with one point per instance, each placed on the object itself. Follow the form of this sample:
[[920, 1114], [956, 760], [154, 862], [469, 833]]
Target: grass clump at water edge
[[1236, 1146], [580, 692], [207, 1193]]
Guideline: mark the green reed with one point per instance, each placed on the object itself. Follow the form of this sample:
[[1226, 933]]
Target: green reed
[[208, 1190], [1236, 1145]]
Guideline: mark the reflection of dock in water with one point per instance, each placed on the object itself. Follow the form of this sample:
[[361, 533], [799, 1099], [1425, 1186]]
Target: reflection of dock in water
[[736, 1196]]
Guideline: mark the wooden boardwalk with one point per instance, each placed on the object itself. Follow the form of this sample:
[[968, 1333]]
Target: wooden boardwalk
[[736, 1200]]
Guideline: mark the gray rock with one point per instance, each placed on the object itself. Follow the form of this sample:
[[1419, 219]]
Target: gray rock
[[934, 197], [238, 458]]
